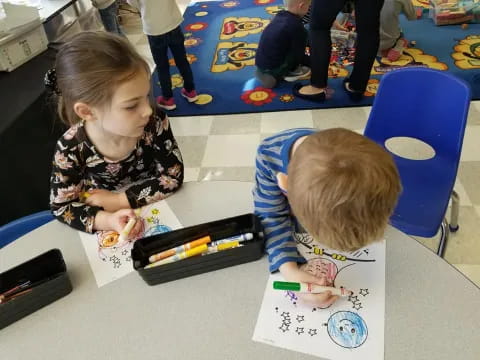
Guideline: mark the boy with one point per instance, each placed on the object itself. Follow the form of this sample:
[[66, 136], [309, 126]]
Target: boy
[[392, 41], [161, 21], [281, 50], [341, 187]]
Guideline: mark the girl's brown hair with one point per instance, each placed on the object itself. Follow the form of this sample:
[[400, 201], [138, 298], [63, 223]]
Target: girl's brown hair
[[89, 67], [343, 188]]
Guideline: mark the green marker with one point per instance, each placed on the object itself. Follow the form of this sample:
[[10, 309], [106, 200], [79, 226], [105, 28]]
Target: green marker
[[310, 288]]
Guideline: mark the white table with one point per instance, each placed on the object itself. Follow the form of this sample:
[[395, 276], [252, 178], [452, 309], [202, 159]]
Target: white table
[[432, 310]]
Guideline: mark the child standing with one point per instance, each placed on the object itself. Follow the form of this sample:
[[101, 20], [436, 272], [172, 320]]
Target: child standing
[[341, 187], [161, 23], [281, 50], [116, 151], [108, 13], [392, 41]]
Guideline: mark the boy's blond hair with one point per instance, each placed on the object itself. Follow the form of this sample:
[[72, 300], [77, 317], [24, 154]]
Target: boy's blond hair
[[342, 187]]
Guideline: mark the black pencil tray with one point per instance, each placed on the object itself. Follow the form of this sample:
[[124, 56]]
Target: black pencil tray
[[49, 271], [250, 251]]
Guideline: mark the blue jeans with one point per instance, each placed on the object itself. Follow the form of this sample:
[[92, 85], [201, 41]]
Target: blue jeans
[[159, 45], [110, 20]]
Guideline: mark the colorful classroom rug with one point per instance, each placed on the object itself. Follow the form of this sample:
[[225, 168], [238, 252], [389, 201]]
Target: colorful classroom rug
[[221, 38]]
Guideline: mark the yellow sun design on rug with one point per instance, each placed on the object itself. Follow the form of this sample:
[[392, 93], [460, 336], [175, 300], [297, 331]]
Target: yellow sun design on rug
[[467, 53], [286, 98], [372, 87], [204, 99], [421, 3], [411, 57], [177, 81]]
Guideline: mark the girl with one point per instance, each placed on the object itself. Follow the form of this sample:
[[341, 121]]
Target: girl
[[117, 155]]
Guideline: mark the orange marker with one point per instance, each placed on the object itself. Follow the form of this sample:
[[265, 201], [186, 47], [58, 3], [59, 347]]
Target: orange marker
[[183, 255], [179, 249]]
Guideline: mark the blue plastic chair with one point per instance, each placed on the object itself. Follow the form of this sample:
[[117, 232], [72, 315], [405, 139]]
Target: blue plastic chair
[[20, 227], [431, 106]]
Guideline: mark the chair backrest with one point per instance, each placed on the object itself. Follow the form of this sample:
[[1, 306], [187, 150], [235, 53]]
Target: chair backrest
[[421, 103], [20, 227]]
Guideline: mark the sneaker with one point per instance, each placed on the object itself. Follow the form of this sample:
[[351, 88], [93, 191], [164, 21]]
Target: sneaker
[[301, 72], [167, 104], [191, 96]]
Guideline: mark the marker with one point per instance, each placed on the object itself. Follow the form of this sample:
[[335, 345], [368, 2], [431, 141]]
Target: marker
[[186, 254], [179, 249], [126, 230], [14, 290], [239, 238], [5, 299], [310, 288], [216, 248]]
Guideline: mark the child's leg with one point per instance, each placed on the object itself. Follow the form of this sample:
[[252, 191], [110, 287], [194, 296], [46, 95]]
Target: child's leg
[[110, 20], [177, 47], [395, 52], [159, 48], [267, 80]]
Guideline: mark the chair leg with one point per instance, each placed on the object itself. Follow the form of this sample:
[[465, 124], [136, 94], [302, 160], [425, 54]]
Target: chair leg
[[444, 238], [455, 210]]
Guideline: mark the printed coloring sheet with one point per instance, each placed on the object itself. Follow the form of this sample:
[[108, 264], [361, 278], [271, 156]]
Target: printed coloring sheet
[[111, 260], [352, 328]]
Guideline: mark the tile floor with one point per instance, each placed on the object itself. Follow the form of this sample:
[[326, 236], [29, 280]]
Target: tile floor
[[223, 148]]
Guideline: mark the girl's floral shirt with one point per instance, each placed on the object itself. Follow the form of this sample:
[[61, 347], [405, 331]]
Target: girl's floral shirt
[[152, 171]]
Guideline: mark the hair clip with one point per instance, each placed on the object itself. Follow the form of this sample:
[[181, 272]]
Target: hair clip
[[50, 81]]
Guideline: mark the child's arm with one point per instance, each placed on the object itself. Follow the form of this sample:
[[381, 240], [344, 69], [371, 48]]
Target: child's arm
[[66, 185], [272, 207], [165, 168], [408, 9]]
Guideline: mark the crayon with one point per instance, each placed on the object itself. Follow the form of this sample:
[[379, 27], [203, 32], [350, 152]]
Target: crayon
[[179, 249], [239, 238], [310, 288], [186, 254]]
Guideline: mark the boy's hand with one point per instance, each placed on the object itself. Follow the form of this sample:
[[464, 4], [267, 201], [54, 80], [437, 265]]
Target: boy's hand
[[116, 221], [109, 200], [291, 272]]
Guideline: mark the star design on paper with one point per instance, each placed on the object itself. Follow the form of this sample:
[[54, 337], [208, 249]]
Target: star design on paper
[[128, 258], [353, 299], [116, 261], [285, 315], [312, 332], [284, 327], [300, 318], [364, 292], [299, 330], [287, 321], [125, 252], [357, 306]]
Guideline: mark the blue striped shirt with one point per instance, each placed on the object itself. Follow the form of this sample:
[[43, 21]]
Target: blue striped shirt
[[271, 204]]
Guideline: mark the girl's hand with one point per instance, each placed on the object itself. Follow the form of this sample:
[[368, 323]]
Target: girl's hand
[[109, 200], [115, 221], [291, 272]]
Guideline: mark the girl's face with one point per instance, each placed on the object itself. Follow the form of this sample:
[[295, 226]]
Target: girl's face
[[130, 108]]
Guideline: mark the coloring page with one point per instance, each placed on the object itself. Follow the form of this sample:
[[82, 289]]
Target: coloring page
[[353, 327], [110, 259]]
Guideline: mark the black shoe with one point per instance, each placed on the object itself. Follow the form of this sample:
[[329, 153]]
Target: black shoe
[[353, 94], [320, 97]]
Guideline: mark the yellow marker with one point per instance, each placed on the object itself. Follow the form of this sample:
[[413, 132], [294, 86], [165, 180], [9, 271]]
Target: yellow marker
[[224, 246], [186, 254], [130, 224]]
